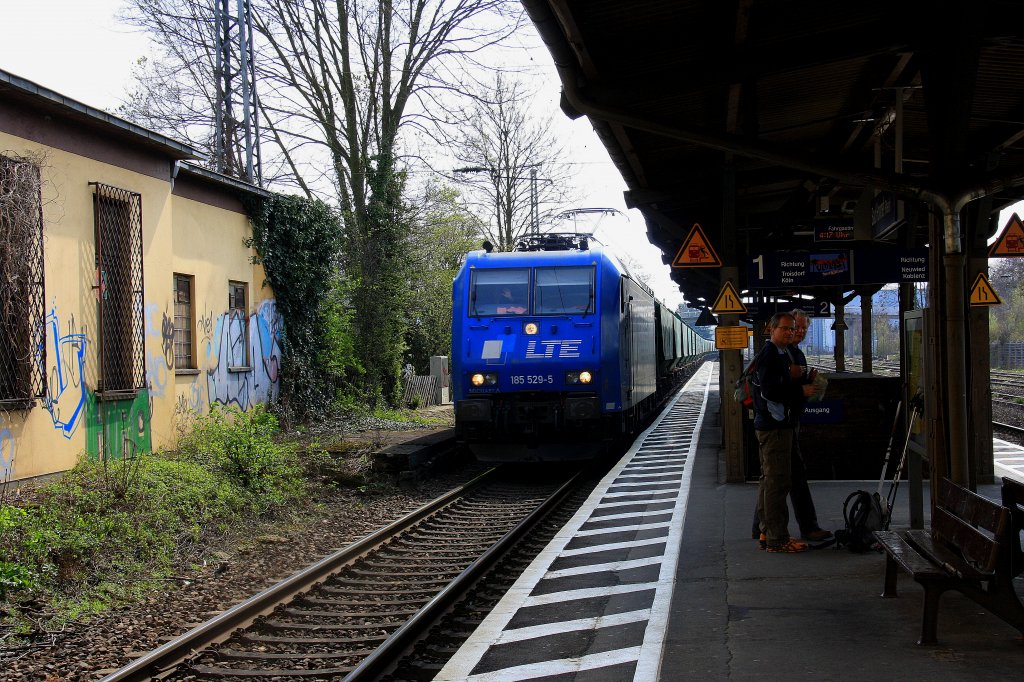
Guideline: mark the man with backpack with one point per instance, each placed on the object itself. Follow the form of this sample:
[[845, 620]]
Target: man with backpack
[[799, 492], [777, 403]]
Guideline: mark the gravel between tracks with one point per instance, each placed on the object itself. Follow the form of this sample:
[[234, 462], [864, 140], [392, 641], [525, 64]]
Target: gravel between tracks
[[239, 567], [1008, 414]]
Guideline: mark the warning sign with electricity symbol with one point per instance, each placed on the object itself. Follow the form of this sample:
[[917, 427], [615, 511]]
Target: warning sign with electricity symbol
[[696, 251]]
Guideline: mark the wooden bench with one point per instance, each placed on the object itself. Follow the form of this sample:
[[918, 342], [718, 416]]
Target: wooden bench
[[974, 547]]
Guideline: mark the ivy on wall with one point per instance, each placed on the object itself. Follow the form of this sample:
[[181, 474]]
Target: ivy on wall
[[297, 241]]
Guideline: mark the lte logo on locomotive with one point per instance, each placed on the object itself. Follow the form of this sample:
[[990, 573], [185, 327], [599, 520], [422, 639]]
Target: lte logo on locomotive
[[565, 348]]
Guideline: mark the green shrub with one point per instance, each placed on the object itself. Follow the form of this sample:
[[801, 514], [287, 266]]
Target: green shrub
[[106, 532], [80, 533], [14, 576], [348, 403], [240, 446]]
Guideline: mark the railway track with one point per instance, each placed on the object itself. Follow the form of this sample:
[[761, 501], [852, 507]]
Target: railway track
[[1007, 391], [1017, 431], [352, 614], [1008, 383]]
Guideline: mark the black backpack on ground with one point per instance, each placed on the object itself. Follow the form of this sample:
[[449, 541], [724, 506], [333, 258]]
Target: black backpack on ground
[[862, 513]]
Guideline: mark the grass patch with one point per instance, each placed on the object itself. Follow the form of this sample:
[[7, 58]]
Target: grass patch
[[105, 533], [406, 417]]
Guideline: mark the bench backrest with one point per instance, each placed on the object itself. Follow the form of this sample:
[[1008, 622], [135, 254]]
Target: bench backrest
[[973, 525], [1013, 500]]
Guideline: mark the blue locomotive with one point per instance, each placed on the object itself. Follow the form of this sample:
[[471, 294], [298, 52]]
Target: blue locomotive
[[557, 350]]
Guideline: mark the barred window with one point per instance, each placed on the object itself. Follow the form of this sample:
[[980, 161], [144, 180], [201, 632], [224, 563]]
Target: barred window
[[238, 327], [22, 330], [184, 338], [119, 290]]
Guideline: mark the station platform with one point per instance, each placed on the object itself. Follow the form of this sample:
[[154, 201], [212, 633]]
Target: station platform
[[657, 578]]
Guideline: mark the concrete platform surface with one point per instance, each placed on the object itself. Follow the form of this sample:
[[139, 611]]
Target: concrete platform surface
[[738, 613]]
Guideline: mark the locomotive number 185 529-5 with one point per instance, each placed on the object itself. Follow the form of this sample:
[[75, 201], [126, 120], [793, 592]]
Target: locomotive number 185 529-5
[[532, 379]]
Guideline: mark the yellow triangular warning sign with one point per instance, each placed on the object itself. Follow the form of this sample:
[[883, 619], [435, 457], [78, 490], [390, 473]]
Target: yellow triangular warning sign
[[1010, 242], [696, 251], [728, 301], [982, 292]]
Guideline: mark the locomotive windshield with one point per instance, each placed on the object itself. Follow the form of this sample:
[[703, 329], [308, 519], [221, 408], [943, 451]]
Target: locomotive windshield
[[500, 292], [564, 290]]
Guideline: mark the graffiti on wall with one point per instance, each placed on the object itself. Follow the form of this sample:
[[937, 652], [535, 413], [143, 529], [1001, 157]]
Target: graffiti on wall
[[119, 428], [158, 365], [239, 356], [167, 339], [190, 403], [267, 334], [65, 397], [243, 358], [6, 451]]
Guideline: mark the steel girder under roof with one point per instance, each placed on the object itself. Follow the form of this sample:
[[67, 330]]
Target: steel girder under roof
[[754, 118]]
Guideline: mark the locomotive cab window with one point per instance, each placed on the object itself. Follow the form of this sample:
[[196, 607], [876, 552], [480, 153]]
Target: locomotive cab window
[[564, 291], [500, 292]]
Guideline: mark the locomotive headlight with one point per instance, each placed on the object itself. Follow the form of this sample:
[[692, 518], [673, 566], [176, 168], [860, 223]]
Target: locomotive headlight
[[586, 377], [530, 328], [488, 379], [580, 377]]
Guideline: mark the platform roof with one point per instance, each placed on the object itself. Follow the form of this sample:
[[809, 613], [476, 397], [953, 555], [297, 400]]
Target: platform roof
[[800, 102]]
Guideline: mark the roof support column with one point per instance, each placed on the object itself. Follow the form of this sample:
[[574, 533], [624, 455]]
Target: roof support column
[[731, 360], [956, 365], [979, 398]]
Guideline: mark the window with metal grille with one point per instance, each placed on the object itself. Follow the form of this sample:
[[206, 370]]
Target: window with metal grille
[[22, 330], [119, 291], [184, 350], [238, 327]]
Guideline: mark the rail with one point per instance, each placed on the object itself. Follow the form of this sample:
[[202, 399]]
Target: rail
[[387, 653], [241, 615]]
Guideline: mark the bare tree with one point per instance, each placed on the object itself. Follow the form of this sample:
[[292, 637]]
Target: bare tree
[[346, 77], [1006, 321], [175, 91], [341, 81], [511, 163]]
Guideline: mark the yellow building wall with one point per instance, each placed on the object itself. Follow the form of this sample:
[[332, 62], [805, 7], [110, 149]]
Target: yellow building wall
[[180, 235]]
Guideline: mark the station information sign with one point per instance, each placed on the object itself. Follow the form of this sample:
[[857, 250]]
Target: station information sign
[[765, 309], [860, 265], [833, 231]]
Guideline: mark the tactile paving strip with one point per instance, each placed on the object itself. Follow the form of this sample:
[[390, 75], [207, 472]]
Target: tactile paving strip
[[594, 604]]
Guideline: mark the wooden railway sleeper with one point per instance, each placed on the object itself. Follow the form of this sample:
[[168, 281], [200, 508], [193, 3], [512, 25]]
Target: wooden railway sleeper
[[277, 639]]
